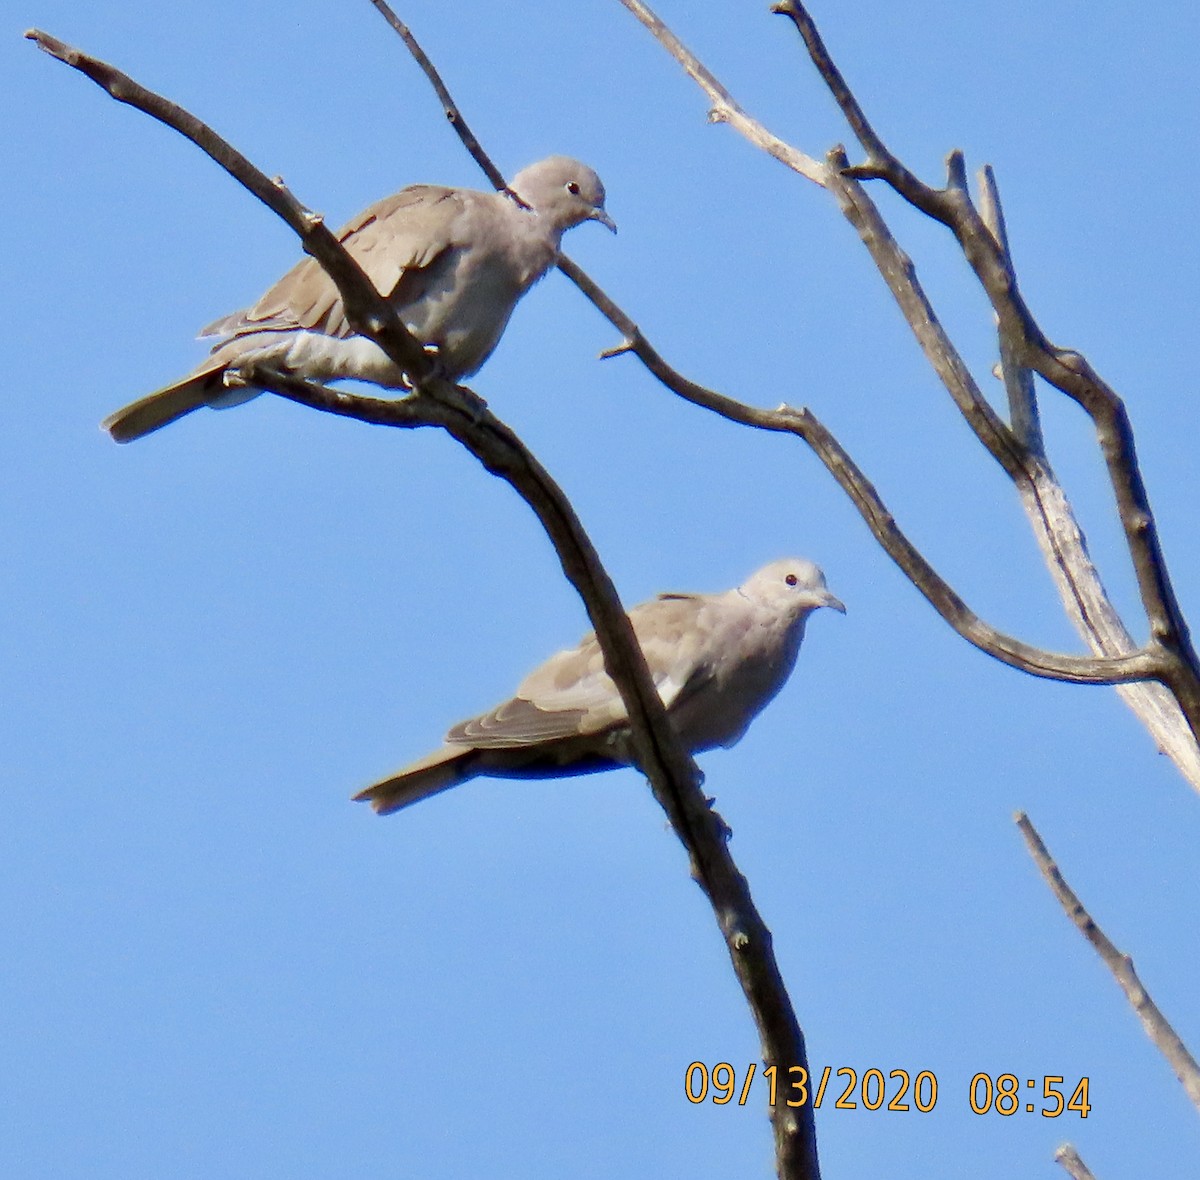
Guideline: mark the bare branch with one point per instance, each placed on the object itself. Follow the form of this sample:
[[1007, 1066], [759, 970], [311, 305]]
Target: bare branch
[[368, 312], [1018, 380], [449, 107], [1065, 369], [1090, 610], [1064, 548], [842, 95], [724, 108], [1141, 665], [673, 775], [1128, 666], [1171, 711], [1157, 1028], [1068, 1157], [901, 277]]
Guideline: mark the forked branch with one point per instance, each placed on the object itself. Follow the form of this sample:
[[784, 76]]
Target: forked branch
[[1028, 346], [1126, 667], [1170, 709]]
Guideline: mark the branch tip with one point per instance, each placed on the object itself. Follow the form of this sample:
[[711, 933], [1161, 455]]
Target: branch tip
[[617, 350], [956, 170]]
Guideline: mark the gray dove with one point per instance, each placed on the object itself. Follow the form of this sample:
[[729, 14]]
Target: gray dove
[[716, 660], [453, 261]]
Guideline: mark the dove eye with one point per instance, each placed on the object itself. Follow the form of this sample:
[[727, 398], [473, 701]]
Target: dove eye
[[791, 579], [573, 187]]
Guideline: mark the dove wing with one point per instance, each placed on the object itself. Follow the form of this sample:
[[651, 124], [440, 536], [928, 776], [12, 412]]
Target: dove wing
[[571, 695], [403, 233]]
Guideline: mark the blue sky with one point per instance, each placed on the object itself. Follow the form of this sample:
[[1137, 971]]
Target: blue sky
[[215, 965]]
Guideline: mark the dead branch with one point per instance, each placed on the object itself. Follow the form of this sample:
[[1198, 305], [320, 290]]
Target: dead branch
[[368, 312], [1018, 380], [673, 775], [724, 108], [1158, 1029], [1171, 709], [1061, 540], [449, 107], [1065, 369], [1124, 667]]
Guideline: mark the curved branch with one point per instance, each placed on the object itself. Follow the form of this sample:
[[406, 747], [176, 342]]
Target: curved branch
[[1171, 709], [672, 774], [1065, 369], [368, 312], [1117, 668]]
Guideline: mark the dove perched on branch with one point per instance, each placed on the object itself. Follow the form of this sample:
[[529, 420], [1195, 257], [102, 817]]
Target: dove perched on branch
[[453, 261], [716, 660]]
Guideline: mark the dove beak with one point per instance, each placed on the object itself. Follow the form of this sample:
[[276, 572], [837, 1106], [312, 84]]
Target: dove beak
[[824, 598], [603, 218]]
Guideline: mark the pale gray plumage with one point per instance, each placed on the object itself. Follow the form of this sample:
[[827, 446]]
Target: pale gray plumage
[[716, 660], [454, 262]]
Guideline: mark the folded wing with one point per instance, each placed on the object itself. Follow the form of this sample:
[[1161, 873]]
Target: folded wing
[[395, 237], [571, 695]]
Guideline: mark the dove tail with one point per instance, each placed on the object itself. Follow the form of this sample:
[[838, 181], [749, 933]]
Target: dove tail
[[158, 409], [441, 770]]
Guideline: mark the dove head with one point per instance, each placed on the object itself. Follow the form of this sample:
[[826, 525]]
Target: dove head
[[793, 587], [563, 191]]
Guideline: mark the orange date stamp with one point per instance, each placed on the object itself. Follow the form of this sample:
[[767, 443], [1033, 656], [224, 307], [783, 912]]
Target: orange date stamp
[[897, 1090]]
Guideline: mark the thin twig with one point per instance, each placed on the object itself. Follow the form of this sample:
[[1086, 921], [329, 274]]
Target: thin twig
[[1153, 1021], [450, 109], [724, 108]]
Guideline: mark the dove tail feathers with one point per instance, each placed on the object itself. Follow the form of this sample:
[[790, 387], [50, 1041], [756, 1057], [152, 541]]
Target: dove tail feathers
[[158, 409], [441, 770]]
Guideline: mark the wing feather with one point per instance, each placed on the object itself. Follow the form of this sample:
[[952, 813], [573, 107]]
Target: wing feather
[[571, 695], [402, 233]]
